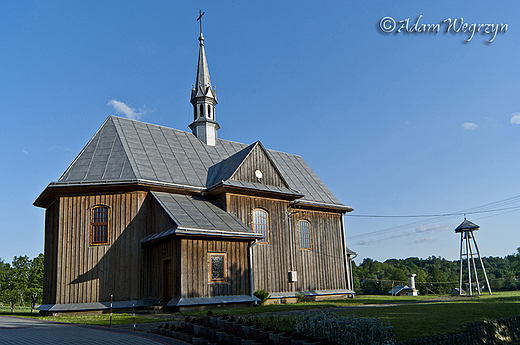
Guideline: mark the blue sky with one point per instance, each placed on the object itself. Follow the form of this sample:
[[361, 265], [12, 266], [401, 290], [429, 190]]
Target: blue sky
[[394, 124]]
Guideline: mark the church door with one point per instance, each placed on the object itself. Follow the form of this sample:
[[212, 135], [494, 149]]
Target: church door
[[167, 280]]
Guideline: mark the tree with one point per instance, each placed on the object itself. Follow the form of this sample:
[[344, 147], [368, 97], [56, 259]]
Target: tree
[[8, 290], [14, 282], [21, 267], [35, 281]]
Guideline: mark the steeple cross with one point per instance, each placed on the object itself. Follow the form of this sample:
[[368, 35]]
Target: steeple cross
[[200, 19]]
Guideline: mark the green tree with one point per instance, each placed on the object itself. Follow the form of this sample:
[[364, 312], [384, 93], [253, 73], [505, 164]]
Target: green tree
[[14, 286], [8, 293], [35, 281]]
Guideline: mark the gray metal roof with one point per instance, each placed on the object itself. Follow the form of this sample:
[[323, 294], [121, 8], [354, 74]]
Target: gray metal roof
[[130, 150], [195, 215], [466, 225], [223, 170]]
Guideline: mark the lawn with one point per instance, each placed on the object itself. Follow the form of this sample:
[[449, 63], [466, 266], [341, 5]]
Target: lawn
[[98, 319], [420, 320], [364, 300], [409, 320]]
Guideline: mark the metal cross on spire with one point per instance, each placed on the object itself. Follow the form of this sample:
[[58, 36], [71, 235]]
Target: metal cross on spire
[[200, 19]]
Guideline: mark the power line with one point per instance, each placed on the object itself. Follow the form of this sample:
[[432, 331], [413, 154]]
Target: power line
[[430, 215], [486, 208]]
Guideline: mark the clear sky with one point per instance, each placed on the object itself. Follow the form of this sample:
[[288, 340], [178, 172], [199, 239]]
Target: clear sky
[[401, 123]]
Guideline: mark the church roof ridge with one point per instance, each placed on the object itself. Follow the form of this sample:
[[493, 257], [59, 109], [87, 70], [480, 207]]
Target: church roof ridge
[[170, 156]]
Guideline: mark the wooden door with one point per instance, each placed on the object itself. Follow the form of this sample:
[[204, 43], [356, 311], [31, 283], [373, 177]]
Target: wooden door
[[167, 280]]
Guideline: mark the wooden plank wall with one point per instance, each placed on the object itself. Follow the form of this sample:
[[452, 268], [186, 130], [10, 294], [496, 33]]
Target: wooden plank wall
[[51, 253], [157, 253], [321, 268], [195, 280], [258, 159], [90, 273]]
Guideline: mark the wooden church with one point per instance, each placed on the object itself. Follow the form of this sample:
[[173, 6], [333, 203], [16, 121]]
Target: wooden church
[[154, 215]]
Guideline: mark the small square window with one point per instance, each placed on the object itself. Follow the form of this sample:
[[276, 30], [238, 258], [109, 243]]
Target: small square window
[[217, 267]]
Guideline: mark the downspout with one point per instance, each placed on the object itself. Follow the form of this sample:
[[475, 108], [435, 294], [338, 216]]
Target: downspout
[[250, 259]]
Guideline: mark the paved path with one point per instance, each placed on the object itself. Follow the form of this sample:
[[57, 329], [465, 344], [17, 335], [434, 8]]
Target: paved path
[[14, 330]]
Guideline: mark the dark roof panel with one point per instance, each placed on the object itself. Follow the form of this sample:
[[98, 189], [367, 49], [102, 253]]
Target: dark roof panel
[[192, 212], [466, 225]]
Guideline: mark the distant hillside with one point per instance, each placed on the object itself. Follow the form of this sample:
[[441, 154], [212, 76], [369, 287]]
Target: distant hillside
[[434, 274]]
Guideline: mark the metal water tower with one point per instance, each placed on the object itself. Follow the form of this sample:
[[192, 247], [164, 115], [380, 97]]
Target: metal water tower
[[466, 229]]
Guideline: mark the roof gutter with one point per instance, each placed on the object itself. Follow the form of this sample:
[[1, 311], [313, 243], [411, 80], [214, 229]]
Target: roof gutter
[[339, 207]]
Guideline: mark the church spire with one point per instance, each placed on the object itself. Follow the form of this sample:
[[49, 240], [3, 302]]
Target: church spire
[[204, 99]]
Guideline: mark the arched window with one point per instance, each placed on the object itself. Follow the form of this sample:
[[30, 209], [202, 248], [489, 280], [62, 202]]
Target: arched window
[[261, 224], [304, 230], [209, 111], [194, 113], [201, 112], [99, 225]]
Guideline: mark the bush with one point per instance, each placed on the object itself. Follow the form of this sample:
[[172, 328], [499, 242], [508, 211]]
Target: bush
[[262, 295], [345, 330], [299, 297]]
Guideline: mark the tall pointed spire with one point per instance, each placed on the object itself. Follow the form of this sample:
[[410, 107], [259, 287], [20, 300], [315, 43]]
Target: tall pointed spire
[[204, 99]]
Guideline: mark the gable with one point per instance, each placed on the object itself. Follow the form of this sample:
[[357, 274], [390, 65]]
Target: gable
[[258, 167]]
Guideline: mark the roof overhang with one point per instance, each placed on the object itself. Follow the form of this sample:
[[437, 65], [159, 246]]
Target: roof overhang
[[320, 206], [278, 193], [55, 189], [190, 232]]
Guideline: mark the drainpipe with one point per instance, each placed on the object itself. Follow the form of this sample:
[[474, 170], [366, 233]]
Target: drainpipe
[[250, 259]]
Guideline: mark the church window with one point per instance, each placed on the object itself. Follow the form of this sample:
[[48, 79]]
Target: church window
[[209, 111], [261, 224], [99, 225], [217, 267], [201, 108], [304, 231], [194, 113]]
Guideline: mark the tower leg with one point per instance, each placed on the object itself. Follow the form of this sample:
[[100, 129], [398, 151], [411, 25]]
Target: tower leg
[[474, 266], [460, 280], [469, 264], [482, 263]]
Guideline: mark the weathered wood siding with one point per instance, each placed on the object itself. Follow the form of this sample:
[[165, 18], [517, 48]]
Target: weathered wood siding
[[154, 278], [52, 218], [321, 268], [258, 160], [195, 268], [89, 273], [191, 267], [154, 254]]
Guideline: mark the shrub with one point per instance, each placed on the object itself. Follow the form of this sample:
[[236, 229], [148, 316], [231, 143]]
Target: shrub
[[345, 330], [262, 295], [299, 297]]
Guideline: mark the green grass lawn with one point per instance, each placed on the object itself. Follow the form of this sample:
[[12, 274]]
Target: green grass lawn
[[420, 320], [314, 305], [97, 320], [19, 311], [409, 320]]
